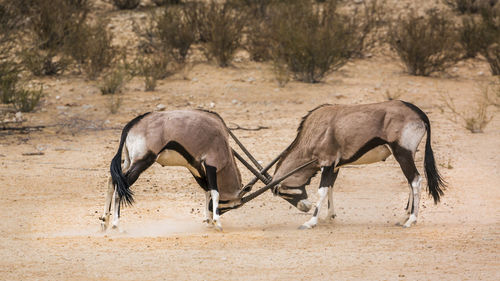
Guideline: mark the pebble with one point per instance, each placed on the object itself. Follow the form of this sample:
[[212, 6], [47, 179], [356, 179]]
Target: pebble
[[161, 107]]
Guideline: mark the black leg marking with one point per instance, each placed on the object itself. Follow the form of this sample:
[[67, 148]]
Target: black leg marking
[[211, 177], [328, 176], [139, 166], [407, 164], [316, 210]]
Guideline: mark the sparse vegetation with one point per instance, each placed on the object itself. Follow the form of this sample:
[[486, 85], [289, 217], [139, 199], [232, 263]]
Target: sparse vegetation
[[220, 30], [176, 32], [425, 44], [166, 2], [91, 48], [153, 68], [311, 41], [26, 100], [41, 62], [114, 81], [114, 103], [471, 36], [9, 77], [475, 119], [469, 6], [126, 4], [491, 37]]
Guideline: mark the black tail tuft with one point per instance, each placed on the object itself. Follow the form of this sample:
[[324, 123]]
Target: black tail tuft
[[435, 181], [119, 180]]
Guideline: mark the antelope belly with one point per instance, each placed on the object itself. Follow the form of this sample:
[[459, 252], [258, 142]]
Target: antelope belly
[[379, 153], [173, 158]]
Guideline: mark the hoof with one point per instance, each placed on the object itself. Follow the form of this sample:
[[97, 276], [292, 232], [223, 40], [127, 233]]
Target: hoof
[[217, 226], [408, 225], [332, 217], [305, 226], [104, 227]]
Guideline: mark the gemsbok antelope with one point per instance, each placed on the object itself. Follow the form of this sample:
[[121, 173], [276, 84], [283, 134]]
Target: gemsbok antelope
[[338, 135], [195, 139]]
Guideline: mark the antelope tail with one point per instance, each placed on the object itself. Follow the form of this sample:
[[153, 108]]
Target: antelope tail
[[120, 182], [435, 181]]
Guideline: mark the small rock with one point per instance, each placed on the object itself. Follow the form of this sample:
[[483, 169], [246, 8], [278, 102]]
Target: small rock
[[235, 101], [480, 73], [251, 79], [160, 107], [455, 69], [211, 105], [19, 116], [194, 79], [61, 107], [359, 1], [58, 97], [87, 106]]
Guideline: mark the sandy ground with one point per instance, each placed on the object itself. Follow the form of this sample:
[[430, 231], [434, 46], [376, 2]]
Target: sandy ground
[[50, 203]]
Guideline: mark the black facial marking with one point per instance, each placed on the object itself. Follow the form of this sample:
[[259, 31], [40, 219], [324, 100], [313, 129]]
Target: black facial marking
[[294, 199], [364, 149]]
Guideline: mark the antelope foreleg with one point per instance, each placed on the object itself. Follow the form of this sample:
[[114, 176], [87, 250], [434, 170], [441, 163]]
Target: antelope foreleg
[[107, 206]]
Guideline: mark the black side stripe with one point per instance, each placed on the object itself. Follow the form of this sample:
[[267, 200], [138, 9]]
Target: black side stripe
[[371, 144]]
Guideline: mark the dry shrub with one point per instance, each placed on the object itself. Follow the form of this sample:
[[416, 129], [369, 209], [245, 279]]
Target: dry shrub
[[220, 26], [53, 20], [176, 32], [474, 119], [114, 103], [43, 62], [114, 81], [26, 100], [425, 44], [470, 34], [469, 6], [50, 24], [90, 46], [491, 37], [166, 2], [126, 4], [10, 23], [366, 22], [9, 77], [311, 41], [153, 68]]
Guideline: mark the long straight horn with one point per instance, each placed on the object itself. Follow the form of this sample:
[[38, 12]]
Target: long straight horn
[[247, 153], [251, 183], [250, 167], [275, 182]]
